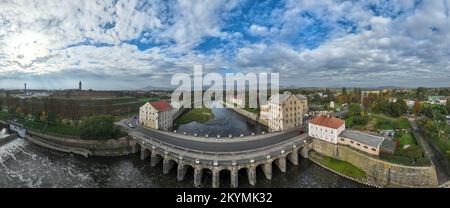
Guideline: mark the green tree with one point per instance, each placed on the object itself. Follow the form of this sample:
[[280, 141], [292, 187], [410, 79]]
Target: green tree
[[417, 108], [448, 105], [99, 127], [354, 109], [398, 108]]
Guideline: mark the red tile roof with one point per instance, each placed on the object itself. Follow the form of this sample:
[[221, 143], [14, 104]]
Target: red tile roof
[[328, 121], [161, 105]]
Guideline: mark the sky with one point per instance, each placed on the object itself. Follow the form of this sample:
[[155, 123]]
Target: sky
[[132, 44]]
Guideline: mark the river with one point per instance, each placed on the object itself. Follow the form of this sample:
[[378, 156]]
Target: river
[[225, 122]]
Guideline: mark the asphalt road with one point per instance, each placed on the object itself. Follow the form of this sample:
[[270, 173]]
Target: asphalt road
[[218, 147]]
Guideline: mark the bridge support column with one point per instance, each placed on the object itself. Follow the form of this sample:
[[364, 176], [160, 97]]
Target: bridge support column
[[293, 157], [251, 172], [154, 159], [198, 174], [144, 154], [234, 178], [267, 169], [281, 163], [215, 178], [135, 148], [181, 171], [167, 165], [304, 151]]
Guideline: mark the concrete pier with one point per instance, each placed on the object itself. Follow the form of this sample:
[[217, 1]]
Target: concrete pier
[[198, 174], [293, 157], [281, 163], [215, 178], [251, 172], [181, 171], [267, 169], [154, 159], [167, 165], [234, 178], [144, 154]]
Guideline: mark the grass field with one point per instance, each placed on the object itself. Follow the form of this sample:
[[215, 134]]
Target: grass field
[[382, 122], [200, 115], [341, 166]]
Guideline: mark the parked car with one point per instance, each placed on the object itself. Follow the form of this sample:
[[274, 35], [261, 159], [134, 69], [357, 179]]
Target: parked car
[[131, 125]]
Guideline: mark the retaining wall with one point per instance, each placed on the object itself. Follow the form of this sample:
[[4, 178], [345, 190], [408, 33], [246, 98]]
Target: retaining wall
[[110, 147], [383, 172]]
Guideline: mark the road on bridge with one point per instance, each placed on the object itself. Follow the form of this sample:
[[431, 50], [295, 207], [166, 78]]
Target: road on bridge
[[232, 146]]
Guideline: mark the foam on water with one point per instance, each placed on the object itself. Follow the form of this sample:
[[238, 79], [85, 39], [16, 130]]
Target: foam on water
[[9, 149]]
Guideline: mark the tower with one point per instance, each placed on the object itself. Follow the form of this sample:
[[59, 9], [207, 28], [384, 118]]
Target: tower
[[25, 88], [79, 86]]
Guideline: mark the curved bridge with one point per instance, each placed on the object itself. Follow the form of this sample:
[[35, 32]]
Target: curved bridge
[[219, 155]]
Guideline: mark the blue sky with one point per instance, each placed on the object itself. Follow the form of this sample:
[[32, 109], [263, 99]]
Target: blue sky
[[132, 44]]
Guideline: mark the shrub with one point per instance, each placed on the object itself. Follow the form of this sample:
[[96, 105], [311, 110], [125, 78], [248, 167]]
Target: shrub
[[99, 127]]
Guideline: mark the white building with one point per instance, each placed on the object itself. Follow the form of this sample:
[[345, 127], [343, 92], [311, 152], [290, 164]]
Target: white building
[[331, 129], [156, 115], [283, 111], [326, 128]]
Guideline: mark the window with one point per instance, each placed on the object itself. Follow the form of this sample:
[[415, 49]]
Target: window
[[358, 144], [373, 149], [351, 142], [343, 140], [365, 146]]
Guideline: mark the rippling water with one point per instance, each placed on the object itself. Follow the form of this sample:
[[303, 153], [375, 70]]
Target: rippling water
[[23, 164], [225, 122]]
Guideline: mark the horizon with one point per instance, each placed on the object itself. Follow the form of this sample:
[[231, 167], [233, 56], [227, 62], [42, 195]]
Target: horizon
[[129, 46]]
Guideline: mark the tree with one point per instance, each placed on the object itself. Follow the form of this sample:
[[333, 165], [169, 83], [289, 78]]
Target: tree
[[354, 109], [398, 108], [99, 127], [448, 105], [417, 108]]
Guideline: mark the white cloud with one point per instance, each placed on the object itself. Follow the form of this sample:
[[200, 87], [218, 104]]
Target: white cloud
[[401, 43], [258, 30]]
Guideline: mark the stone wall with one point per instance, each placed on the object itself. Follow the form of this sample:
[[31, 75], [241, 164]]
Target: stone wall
[[110, 147], [7, 139], [384, 173]]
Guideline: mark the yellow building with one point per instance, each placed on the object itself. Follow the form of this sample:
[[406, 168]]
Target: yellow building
[[284, 111], [156, 115]]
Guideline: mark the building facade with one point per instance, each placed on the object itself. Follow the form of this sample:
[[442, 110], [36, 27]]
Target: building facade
[[283, 111], [326, 128], [331, 129], [156, 115]]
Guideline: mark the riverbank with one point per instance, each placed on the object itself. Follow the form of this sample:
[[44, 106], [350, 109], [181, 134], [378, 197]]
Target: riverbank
[[110, 147], [250, 115], [383, 173], [343, 169], [200, 115]]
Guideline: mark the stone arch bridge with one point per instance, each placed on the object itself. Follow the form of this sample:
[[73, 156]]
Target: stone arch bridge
[[217, 154]]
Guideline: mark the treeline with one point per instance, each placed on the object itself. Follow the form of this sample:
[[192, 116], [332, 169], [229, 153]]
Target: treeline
[[53, 109], [381, 104]]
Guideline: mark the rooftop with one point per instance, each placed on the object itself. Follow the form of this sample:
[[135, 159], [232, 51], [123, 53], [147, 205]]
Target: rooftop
[[363, 138], [161, 105], [328, 121], [279, 98]]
